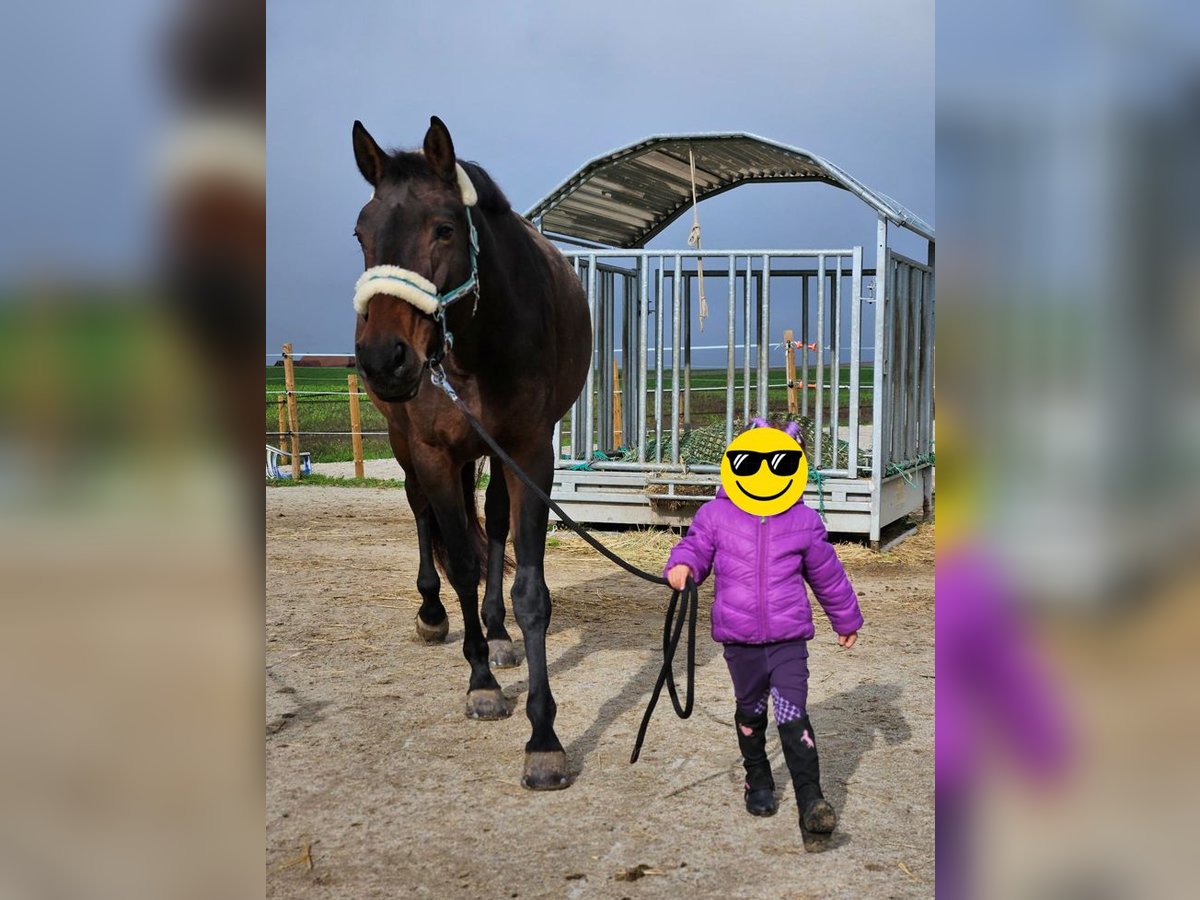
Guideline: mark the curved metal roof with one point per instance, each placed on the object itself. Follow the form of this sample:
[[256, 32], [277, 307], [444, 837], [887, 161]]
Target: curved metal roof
[[626, 197]]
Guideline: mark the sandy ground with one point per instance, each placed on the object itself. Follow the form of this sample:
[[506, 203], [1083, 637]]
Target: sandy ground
[[378, 786]]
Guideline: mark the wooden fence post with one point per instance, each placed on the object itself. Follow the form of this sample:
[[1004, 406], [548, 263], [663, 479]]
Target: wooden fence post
[[355, 425], [289, 380], [790, 345]]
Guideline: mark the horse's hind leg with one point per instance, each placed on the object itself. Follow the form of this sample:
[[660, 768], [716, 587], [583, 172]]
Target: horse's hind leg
[[484, 700], [502, 654], [545, 760]]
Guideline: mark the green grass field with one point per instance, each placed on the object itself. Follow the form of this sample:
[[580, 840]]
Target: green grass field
[[332, 413]]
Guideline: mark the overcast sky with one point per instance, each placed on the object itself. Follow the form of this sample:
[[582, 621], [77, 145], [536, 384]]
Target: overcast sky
[[533, 90]]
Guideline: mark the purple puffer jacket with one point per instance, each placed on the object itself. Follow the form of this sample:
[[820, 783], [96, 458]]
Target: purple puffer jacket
[[760, 564]]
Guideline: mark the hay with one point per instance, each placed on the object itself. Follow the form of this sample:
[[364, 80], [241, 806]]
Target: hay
[[646, 548], [706, 444], [914, 552]]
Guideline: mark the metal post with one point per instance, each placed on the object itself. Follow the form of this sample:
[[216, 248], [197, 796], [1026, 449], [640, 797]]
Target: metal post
[[835, 375], [588, 391], [731, 337], [660, 344], [687, 352], [900, 341], [912, 425], [879, 371], [764, 340], [927, 391], [855, 358], [577, 408], [747, 328], [804, 339], [675, 339], [643, 316], [818, 437]]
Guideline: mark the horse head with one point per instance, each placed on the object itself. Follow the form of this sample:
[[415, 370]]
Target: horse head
[[417, 240]]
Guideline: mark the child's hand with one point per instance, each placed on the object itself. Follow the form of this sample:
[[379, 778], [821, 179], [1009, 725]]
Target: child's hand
[[678, 577], [847, 640]]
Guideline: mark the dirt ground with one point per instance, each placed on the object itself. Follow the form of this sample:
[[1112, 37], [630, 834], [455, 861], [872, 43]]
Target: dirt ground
[[379, 786]]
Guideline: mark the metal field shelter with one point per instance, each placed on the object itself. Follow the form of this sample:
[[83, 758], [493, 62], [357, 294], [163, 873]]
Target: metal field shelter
[[862, 320]]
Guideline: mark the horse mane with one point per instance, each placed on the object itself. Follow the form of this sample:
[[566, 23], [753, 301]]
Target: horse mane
[[402, 165]]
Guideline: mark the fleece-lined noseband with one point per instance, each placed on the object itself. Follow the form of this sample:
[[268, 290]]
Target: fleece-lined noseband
[[415, 288]]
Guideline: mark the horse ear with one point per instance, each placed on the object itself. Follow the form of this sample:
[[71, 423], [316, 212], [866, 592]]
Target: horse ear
[[439, 150], [368, 155]]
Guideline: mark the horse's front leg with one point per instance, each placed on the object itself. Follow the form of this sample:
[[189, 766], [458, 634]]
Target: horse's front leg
[[502, 654], [432, 623], [545, 760], [461, 562]]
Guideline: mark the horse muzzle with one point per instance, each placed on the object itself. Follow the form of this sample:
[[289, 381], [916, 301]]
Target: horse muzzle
[[393, 371]]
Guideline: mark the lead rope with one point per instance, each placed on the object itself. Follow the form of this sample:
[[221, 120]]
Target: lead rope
[[683, 603], [694, 240]]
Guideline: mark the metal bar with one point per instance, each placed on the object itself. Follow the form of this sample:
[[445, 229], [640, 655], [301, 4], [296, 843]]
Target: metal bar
[[687, 352], [692, 254], [617, 465], [804, 340], [721, 273], [855, 358], [577, 407], [588, 391], [912, 405], [879, 371], [764, 337], [631, 384], [900, 385], [746, 330], [675, 339], [818, 437], [604, 429], [908, 260], [659, 342], [927, 389], [643, 317], [835, 378], [729, 356]]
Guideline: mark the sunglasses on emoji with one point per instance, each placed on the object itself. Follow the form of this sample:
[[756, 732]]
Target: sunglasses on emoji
[[780, 462]]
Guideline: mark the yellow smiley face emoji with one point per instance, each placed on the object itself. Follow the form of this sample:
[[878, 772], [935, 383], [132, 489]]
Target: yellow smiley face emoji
[[764, 471]]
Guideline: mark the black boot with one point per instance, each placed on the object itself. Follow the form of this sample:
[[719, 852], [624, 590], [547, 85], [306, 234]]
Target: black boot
[[800, 751], [752, 739]]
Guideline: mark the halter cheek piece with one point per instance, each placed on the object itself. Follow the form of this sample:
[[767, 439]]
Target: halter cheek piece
[[418, 290]]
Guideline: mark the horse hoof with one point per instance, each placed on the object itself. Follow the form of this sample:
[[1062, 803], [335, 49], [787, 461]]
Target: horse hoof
[[545, 771], [433, 634], [487, 704], [502, 654]]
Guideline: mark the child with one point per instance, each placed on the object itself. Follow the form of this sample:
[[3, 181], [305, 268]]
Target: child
[[762, 615]]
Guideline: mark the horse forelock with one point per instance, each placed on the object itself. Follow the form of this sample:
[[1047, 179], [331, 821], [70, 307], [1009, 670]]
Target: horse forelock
[[408, 165]]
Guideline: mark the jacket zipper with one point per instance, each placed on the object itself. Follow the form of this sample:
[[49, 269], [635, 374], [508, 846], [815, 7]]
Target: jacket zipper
[[762, 578]]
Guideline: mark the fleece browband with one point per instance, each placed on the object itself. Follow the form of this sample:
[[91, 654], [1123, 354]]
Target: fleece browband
[[415, 288]]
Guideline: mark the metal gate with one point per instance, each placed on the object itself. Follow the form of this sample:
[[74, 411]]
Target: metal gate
[[863, 379]]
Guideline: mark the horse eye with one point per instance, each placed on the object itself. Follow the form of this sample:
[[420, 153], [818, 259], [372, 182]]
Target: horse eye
[[444, 232]]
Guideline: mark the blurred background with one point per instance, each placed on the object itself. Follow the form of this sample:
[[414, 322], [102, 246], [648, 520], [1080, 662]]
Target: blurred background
[[1068, 136], [131, 284]]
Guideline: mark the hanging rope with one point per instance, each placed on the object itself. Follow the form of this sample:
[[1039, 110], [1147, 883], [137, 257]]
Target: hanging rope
[[694, 239]]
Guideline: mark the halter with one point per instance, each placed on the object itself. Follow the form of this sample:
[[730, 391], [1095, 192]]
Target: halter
[[418, 290]]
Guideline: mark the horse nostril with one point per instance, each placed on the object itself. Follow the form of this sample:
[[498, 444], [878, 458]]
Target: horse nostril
[[400, 355]]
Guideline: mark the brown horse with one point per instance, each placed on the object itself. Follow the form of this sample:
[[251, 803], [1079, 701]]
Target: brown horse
[[520, 354]]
